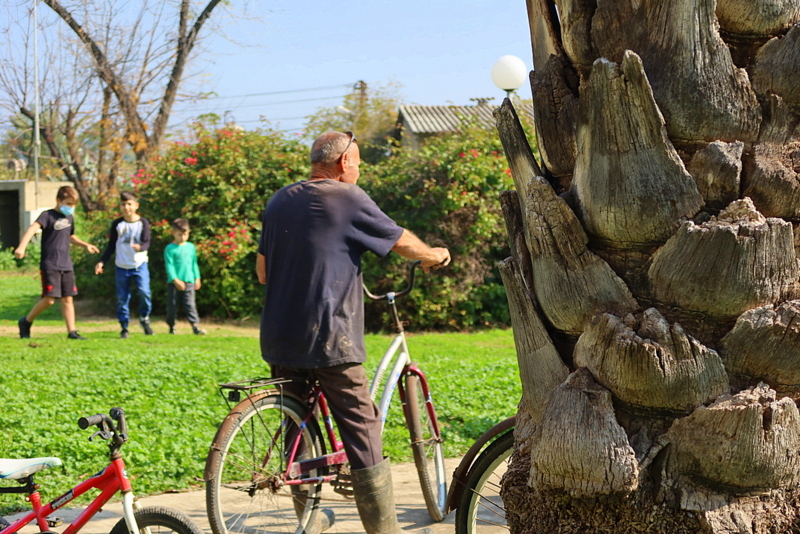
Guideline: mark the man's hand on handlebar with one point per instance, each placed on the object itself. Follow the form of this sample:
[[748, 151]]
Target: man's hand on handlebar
[[440, 258]]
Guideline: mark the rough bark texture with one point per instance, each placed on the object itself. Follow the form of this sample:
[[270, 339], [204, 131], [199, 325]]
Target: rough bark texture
[[555, 110], [726, 266], [655, 366], [741, 443], [773, 179], [655, 260], [540, 366], [757, 17], [571, 283], [701, 93], [717, 170], [763, 347], [630, 184], [579, 447]]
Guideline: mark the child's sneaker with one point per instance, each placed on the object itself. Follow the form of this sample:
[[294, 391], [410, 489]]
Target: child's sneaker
[[75, 335], [24, 328], [198, 331], [146, 326], [123, 334]]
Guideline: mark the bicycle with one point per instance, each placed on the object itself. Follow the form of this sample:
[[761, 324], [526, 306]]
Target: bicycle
[[112, 479], [475, 489], [269, 459]]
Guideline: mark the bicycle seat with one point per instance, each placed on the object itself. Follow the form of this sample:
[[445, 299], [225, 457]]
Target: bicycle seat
[[16, 469]]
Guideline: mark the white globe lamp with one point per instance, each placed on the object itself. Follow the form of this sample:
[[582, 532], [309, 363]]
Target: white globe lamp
[[508, 73]]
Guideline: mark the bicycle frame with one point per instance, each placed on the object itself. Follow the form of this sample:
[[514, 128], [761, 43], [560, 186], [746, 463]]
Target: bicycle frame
[[316, 399], [109, 481]]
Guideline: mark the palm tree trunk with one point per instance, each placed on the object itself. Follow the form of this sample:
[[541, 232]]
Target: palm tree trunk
[[653, 283]]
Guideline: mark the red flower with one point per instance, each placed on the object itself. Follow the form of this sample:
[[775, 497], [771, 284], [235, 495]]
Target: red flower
[[190, 161], [473, 152], [461, 155], [508, 171]]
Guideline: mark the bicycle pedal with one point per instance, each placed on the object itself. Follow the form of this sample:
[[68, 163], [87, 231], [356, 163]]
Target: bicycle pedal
[[55, 521], [343, 485]]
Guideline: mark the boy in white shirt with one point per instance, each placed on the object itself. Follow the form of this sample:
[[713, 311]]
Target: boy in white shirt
[[130, 240]]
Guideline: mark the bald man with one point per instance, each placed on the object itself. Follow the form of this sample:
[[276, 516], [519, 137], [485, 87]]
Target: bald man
[[312, 325]]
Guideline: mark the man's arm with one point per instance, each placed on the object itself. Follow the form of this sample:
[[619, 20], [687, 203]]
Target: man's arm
[[411, 247], [19, 252], [261, 268]]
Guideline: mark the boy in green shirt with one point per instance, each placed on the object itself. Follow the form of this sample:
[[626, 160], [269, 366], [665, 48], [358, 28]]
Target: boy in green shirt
[[183, 276]]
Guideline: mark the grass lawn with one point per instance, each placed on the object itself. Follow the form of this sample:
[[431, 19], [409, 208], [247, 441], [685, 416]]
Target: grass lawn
[[168, 387]]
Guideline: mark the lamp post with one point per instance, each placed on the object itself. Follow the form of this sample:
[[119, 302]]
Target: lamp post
[[508, 73]]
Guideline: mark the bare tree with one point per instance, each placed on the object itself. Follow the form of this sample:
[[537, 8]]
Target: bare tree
[[119, 91], [654, 280]]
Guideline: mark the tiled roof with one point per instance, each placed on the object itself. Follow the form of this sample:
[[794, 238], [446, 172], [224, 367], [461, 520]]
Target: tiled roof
[[438, 119]]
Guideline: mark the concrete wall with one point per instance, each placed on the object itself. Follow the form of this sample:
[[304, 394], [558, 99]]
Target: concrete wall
[[20, 204]]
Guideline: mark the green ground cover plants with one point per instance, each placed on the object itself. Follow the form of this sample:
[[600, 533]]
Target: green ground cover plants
[[168, 387]]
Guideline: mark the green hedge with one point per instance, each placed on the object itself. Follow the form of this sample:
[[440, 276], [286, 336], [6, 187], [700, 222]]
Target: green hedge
[[446, 192]]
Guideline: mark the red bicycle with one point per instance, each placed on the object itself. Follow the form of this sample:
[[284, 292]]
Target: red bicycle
[[112, 479]]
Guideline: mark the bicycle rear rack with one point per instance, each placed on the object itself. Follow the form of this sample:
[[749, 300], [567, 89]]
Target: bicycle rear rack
[[235, 388]]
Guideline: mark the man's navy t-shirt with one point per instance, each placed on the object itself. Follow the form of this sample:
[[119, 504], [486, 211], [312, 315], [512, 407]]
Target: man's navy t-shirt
[[56, 231], [313, 237]]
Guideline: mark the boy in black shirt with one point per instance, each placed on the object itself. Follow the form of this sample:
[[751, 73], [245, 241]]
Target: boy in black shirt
[[58, 278]]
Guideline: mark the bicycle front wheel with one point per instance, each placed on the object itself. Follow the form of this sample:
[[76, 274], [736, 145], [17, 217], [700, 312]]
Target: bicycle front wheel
[[426, 446], [481, 509], [245, 469], [159, 520]]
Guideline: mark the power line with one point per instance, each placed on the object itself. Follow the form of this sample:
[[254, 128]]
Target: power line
[[240, 106], [349, 85]]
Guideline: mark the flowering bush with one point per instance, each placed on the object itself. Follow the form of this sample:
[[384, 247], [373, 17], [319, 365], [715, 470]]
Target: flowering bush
[[221, 184], [446, 192]]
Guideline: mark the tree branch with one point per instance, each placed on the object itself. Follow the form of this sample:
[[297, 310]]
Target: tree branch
[[138, 138], [186, 42]]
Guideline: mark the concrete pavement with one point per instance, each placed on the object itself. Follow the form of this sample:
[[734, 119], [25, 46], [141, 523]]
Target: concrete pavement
[[411, 511]]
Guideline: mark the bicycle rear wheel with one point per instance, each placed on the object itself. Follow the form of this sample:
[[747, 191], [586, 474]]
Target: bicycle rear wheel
[[481, 509], [159, 520], [427, 449], [245, 490]]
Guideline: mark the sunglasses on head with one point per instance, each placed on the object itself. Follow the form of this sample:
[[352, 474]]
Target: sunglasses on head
[[352, 140]]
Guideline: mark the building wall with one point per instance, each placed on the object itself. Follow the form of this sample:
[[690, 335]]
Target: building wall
[[20, 205]]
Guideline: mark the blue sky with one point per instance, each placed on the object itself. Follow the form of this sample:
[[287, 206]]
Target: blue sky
[[440, 52], [306, 54]]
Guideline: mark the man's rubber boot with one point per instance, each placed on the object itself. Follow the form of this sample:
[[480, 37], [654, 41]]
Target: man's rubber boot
[[372, 488], [323, 519]]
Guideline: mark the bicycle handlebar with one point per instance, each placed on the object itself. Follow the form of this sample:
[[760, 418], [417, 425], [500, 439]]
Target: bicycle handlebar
[[412, 278], [105, 424], [94, 420]]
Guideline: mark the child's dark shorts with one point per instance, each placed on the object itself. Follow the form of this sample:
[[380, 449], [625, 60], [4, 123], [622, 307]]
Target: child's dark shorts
[[58, 284]]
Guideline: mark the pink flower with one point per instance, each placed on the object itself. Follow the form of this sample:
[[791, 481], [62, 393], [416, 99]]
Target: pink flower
[[473, 152], [190, 161]]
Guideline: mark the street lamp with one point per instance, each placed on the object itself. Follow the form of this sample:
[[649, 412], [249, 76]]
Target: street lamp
[[508, 73]]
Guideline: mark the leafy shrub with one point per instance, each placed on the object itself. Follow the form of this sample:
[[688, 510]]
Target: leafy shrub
[[29, 263], [447, 193], [220, 184]]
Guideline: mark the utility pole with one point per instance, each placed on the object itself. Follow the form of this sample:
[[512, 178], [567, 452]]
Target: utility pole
[[361, 87], [36, 142]]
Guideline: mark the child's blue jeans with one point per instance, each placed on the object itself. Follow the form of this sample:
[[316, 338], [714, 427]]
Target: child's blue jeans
[[141, 277]]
